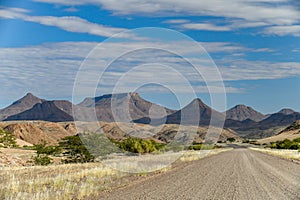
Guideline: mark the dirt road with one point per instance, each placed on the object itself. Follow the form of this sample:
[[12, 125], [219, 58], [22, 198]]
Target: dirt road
[[238, 174]]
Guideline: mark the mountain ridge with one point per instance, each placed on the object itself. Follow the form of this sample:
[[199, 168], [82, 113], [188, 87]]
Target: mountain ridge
[[130, 107], [21, 105], [242, 112]]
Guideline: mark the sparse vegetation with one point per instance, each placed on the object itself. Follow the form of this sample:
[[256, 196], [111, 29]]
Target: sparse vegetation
[[44, 152], [72, 181], [294, 126], [47, 150], [231, 139], [173, 146], [284, 153], [75, 151], [199, 146], [286, 144], [42, 159], [137, 145], [7, 139], [99, 145]]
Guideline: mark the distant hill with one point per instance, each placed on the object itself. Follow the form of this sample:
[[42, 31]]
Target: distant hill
[[46, 111], [127, 107], [64, 105], [291, 132], [286, 111], [131, 107], [36, 132], [195, 113], [279, 119], [242, 112], [21, 105], [164, 133], [270, 126]]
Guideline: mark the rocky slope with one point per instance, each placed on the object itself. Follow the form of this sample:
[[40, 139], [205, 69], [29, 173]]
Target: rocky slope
[[46, 111], [291, 132], [125, 107], [242, 112], [35, 132], [195, 113], [21, 105]]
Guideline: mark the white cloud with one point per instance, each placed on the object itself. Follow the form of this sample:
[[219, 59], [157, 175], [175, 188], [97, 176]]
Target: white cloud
[[236, 24], [76, 24], [71, 9], [50, 69], [276, 12], [215, 47], [296, 50], [283, 30], [68, 23], [264, 50], [204, 26], [257, 70], [12, 13], [278, 17], [176, 21]]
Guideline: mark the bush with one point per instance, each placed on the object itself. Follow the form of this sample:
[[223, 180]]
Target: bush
[[137, 145], [7, 139], [75, 151], [286, 144], [47, 150], [231, 139], [297, 140], [175, 147], [43, 152], [42, 160], [245, 141], [198, 147], [99, 145]]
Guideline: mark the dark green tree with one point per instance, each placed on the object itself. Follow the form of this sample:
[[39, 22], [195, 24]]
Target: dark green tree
[[75, 151]]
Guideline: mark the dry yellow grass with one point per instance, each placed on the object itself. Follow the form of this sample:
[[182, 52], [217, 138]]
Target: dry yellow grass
[[79, 181], [284, 153], [196, 155], [57, 182]]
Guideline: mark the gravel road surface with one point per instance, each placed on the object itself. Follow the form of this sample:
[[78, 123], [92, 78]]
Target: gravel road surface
[[238, 174]]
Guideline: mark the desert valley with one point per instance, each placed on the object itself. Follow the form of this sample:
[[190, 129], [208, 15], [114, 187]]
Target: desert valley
[[38, 132]]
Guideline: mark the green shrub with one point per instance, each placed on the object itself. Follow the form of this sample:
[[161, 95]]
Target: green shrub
[[99, 145], [198, 147], [175, 147], [245, 141], [137, 145], [42, 160], [43, 152], [47, 150], [231, 139], [297, 140], [286, 144], [195, 147], [7, 139], [75, 151]]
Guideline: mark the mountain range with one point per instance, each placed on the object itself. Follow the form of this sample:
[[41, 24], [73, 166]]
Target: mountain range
[[131, 107]]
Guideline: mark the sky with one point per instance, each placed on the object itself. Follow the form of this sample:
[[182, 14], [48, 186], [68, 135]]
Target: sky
[[224, 52]]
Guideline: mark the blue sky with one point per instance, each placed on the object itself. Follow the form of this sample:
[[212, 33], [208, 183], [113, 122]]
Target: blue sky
[[255, 45]]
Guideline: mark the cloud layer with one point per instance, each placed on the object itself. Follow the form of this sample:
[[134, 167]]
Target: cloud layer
[[272, 14], [67, 23], [51, 68]]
